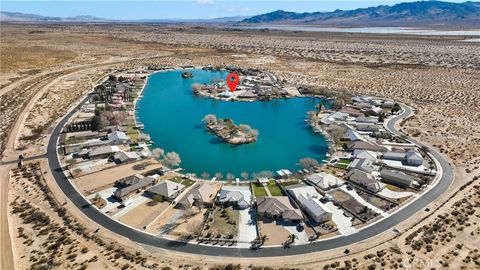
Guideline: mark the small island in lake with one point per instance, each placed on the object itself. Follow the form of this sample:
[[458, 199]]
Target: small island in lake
[[226, 130], [187, 75]]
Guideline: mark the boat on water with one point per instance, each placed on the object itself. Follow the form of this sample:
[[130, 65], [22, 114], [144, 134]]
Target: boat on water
[[186, 75]]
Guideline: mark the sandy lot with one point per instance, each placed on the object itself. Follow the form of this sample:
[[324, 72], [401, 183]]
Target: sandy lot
[[276, 234], [143, 214], [104, 179]]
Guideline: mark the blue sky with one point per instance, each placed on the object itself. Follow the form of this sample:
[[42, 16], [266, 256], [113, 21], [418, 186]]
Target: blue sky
[[180, 9]]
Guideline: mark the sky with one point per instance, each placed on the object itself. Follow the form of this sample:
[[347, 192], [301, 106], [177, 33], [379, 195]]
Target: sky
[[179, 9]]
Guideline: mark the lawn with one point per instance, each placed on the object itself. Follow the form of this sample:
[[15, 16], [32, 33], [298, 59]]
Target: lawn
[[259, 190], [274, 188], [183, 181], [343, 163], [290, 183]]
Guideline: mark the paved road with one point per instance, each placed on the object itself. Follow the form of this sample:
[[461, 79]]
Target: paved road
[[147, 239]]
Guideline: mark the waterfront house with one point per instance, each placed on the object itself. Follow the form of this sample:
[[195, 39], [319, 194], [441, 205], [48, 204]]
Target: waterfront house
[[201, 195], [361, 145], [352, 135], [366, 154], [362, 164], [168, 190], [237, 196], [397, 178], [364, 179], [278, 207], [124, 157], [124, 193], [118, 137], [283, 173], [103, 151], [324, 181]]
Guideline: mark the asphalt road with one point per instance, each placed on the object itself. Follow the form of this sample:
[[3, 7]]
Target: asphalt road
[[144, 238]]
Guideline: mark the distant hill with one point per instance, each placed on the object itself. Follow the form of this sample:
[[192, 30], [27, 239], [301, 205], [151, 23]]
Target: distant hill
[[23, 17], [422, 13]]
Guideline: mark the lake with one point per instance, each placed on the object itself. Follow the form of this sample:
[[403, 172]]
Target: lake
[[367, 30], [172, 115]]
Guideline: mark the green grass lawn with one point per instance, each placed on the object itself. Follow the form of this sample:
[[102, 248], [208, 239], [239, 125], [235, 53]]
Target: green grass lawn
[[259, 190], [343, 163], [274, 188], [183, 181], [289, 183]]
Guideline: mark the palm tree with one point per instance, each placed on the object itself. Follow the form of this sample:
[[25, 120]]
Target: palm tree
[[291, 238], [230, 176], [244, 175], [263, 239]]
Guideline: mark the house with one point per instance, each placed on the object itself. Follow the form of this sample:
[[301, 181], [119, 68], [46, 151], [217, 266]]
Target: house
[[351, 111], [339, 116], [361, 145], [202, 194], [366, 119], [263, 180], [414, 158], [324, 181], [123, 157], [103, 151], [362, 164], [352, 135], [397, 178], [278, 207], [129, 180], [411, 157], [124, 193], [314, 208], [388, 104], [366, 154], [364, 179], [169, 190], [118, 137], [308, 198], [368, 127], [374, 111], [239, 196]]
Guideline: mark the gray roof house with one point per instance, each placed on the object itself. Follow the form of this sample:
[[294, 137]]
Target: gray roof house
[[324, 180], [203, 193], [239, 196], [118, 137], [130, 180], [362, 164], [124, 193], [103, 151], [278, 207], [167, 189], [411, 157], [308, 198], [396, 177], [123, 157], [364, 179]]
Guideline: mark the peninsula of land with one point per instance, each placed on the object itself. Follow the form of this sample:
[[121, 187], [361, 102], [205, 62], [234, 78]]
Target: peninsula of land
[[227, 131]]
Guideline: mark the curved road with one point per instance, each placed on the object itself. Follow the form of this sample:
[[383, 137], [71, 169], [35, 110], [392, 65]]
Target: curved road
[[144, 238]]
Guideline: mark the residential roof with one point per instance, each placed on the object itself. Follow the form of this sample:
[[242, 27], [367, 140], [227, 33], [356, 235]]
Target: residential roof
[[263, 180], [366, 154], [167, 188], [362, 164], [352, 135], [396, 175], [204, 192], [122, 192], [278, 205], [412, 154], [296, 190], [118, 135], [124, 156], [362, 178], [361, 145], [313, 205], [395, 155], [324, 180], [365, 119], [240, 195], [102, 150]]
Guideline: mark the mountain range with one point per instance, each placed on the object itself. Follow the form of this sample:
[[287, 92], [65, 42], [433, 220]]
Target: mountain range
[[421, 13], [417, 14]]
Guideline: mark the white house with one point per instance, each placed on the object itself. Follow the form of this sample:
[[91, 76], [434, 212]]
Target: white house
[[118, 137], [309, 199], [324, 180], [364, 179], [239, 196]]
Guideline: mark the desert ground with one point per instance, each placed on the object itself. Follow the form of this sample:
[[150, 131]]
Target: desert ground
[[46, 68]]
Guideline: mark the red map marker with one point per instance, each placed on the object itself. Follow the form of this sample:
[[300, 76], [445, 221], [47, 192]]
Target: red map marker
[[232, 81]]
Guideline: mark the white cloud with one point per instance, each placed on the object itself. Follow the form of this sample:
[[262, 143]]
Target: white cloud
[[204, 2]]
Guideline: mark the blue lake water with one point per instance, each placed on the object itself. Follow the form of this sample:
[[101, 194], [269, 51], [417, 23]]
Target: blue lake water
[[173, 115]]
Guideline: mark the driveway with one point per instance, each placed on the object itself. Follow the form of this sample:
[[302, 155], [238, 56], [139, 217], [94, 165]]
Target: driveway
[[247, 228], [344, 224], [134, 203], [361, 200]]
